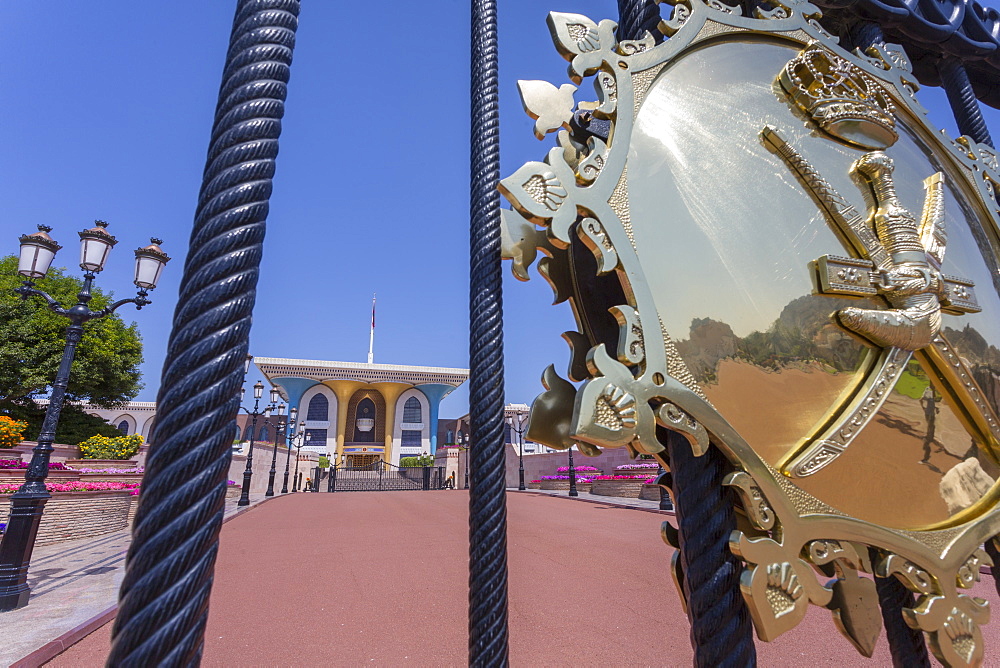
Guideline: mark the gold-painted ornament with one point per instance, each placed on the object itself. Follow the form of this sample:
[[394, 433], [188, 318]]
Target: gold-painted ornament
[[804, 274]]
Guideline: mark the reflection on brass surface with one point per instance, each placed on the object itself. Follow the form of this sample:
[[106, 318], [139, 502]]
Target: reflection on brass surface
[[785, 302]]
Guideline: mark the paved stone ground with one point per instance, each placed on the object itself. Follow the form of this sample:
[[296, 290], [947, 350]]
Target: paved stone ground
[[379, 579], [71, 583]]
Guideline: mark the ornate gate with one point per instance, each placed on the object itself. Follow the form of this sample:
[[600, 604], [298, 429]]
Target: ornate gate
[[385, 477]]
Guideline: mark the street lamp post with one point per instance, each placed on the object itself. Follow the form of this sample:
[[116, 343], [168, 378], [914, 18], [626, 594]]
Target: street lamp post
[[303, 438], [518, 422], [464, 441], [292, 414], [258, 392], [279, 431], [28, 502], [572, 475]]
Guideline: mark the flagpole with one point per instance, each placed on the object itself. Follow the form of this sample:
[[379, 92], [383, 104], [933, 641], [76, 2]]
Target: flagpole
[[371, 337]]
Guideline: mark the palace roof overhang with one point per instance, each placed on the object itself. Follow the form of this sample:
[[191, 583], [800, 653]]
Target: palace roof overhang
[[318, 370]]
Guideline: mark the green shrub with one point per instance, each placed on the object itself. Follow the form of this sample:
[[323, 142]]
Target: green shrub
[[113, 447], [425, 460], [324, 462]]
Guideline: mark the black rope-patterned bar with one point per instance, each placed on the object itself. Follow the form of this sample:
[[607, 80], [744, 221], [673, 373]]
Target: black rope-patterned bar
[[906, 645], [961, 97], [636, 17], [487, 502], [163, 604], [721, 630]]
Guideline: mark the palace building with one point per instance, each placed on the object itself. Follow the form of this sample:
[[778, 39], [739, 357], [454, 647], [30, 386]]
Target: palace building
[[364, 412]]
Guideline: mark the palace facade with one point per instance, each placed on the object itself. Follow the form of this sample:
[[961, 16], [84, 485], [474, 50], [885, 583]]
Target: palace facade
[[364, 412]]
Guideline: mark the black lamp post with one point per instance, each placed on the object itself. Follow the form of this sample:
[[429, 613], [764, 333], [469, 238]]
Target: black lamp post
[[28, 502], [463, 440], [258, 392], [303, 437], [292, 414], [279, 431], [572, 475], [518, 422]]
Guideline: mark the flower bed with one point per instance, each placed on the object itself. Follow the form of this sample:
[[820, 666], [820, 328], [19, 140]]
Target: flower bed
[[12, 471], [533, 484], [620, 486], [638, 467], [7, 464], [57, 475], [73, 513], [580, 470], [129, 465], [561, 482], [133, 474]]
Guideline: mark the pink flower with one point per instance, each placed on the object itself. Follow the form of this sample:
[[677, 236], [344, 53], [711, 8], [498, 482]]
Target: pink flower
[[76, 486]]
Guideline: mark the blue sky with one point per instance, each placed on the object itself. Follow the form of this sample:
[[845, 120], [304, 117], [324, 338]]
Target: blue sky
[[107, 113]]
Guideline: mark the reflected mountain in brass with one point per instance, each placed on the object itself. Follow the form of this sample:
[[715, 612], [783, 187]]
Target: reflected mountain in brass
[[772, 293]]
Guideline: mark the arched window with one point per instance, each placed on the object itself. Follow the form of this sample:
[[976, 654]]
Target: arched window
[[319, 408], [263, 434], [123, 427], [364, 421], [411, 411], [238, 433]]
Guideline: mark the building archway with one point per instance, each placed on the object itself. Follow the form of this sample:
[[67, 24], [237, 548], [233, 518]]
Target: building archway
[[318, 409], [365, 429], [125, 424], [411, 428]]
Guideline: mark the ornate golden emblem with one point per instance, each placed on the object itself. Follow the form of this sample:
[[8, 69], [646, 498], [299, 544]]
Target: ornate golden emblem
[[756, 257]]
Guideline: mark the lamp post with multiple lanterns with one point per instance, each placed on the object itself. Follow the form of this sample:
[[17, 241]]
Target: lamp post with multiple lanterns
[[258, 392], [279, 432], [518, 422], [301, 438], [27, 503], [292, 414], [463, 445]]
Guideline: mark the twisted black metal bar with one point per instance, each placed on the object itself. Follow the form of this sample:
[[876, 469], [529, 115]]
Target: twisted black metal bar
[[487, 501], [163, 604], [721, 631], [635, 17], [964, 105], [906, 645]]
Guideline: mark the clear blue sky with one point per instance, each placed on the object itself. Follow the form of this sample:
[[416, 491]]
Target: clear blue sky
[[107, 112]]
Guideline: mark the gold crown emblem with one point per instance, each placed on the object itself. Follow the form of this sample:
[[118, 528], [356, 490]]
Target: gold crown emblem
[[842, 99]]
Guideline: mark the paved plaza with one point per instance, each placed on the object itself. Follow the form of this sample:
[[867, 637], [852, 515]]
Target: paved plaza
[[380, 579]]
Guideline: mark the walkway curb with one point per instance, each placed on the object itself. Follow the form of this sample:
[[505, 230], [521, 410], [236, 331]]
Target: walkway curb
[[607, 503], [54, 648]]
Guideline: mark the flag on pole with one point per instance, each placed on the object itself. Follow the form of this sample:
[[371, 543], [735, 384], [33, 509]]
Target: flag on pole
[[371, 335]]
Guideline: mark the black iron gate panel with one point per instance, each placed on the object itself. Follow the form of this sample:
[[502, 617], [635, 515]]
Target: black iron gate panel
[[384, 477]]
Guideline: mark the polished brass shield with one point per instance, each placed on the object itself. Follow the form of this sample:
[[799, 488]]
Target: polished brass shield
[[773, 252]]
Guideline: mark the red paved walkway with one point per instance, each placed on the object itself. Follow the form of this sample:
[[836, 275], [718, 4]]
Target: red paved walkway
[[379, 579]]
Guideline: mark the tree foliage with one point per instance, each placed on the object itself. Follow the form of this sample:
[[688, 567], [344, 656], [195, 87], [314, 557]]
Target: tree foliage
[[106, 368]]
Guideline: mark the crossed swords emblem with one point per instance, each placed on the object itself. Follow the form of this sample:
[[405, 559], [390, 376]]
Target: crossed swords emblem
[[898, 260]]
